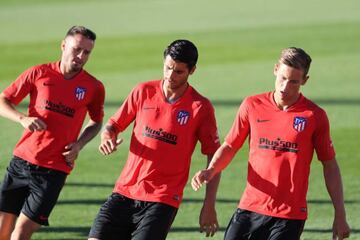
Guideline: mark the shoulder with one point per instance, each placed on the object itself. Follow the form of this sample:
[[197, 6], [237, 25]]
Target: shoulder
[[200, 100], [33, 73], [90, 79], [41, 68], [149, 87], [257, 99], [145, 90], [46, 69], [318, 112], [311, 106]]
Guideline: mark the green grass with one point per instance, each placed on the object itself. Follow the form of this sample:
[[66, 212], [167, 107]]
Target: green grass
[[238, 42]]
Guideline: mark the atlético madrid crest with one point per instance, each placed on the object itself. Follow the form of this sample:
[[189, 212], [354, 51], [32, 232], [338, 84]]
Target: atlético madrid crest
[[183, 117], [299, 124], [80, 93]]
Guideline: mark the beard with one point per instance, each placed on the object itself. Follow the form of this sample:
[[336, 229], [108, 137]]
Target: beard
[[75, 67]]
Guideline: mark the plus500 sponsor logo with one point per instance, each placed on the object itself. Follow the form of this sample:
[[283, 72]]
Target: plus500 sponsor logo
[[160, 135], [278, 144]]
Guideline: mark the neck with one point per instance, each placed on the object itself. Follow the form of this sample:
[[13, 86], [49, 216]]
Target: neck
[[172, 95], [283, 104], [67, 73]]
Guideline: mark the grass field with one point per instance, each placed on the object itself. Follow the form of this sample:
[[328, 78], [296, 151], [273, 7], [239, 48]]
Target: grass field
[[239, 42]]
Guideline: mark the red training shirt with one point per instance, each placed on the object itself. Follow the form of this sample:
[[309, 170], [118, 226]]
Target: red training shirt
[[162, 142], [281, 149], [62, 104]]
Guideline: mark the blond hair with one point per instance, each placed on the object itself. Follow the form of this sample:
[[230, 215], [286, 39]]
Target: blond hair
[[296, 58]]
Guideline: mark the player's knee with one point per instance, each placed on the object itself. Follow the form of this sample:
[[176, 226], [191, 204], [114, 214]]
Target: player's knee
[[22, 233], [24, 228], [19, 234]]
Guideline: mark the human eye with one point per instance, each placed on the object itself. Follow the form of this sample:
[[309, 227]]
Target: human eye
[[76, 50], [294, 81]]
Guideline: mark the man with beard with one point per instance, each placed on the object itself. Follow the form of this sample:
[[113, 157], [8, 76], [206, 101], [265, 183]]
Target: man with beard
[[61, 94]]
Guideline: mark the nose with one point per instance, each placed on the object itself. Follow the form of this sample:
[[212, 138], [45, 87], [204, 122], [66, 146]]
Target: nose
[[81, 55], [171, 73], [284, 85]]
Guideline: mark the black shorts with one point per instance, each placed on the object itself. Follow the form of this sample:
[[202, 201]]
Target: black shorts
[[245, 224], [30, 189], [124, 218]]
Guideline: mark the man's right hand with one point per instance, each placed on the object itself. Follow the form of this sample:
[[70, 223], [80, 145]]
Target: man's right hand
[[33, 123], [109, 142], [203, 176]]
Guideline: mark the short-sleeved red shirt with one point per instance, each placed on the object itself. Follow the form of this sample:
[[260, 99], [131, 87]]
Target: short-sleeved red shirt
[[162, 142], [281, 149], [62, 104]]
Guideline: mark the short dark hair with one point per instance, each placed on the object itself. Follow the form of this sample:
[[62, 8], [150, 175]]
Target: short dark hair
[[183, 51], [296, 58], [81, 30]]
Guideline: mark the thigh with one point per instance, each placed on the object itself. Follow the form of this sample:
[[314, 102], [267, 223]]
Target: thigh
[[246, 224], [14, 187], [239, 225], [283, 229], [24, 228], [114, 219], [45, 187], [153, 221]]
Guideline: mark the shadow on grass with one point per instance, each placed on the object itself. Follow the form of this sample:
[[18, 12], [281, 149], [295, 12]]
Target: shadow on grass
[[85, 230], [236, 102], [310, 230], [81, 201], [188, 200], [81, 232], [100, 185], [310, 201]]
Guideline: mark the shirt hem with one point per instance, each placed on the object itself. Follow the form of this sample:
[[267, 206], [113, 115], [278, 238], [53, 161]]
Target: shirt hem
[[36, 162], [272, 214], [148, 199]]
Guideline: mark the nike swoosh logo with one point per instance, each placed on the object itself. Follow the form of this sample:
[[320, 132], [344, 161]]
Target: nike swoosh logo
[[148, 108], [43, 218], [262, 120]]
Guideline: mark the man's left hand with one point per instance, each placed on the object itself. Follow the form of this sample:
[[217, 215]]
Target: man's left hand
[[208, 220], [71, 153], [341, 229]]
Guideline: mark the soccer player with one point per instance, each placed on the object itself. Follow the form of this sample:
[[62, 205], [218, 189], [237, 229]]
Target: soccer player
[[61, 94], [169, 117], [284, 129]]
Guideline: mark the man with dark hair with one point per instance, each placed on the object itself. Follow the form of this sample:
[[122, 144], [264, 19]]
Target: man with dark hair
[[284, 129], [61, 94], [169, 118], [87, 33]]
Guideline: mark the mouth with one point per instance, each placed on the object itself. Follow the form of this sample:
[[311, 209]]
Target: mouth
[[76, 66], [283, 94], [77, 63]]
